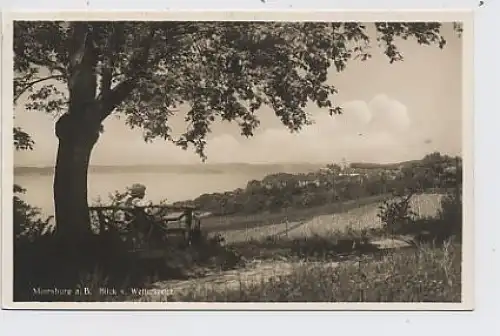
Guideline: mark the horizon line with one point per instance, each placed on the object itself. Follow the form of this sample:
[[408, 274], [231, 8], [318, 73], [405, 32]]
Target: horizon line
[[231, 163]]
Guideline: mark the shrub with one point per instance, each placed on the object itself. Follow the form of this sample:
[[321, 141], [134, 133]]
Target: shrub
[[396, 214], [398, 219], [450, 214], [27, 220]]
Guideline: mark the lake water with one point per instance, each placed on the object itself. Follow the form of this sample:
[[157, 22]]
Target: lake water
[[172, 186]]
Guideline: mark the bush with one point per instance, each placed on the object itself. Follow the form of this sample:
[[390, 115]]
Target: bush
[[398, 219], [396, 214], [27, 220], [450, 214]]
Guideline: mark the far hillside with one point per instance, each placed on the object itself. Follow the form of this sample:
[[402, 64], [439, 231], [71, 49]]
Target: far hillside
[[369, 165], [332, 184]]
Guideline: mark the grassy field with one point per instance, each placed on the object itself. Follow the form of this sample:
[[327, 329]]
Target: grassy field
[[359, 216], [234, 222], [427, 274]]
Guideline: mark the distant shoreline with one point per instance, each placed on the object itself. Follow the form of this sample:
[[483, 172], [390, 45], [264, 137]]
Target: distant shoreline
[[209, 168], [183, 168]]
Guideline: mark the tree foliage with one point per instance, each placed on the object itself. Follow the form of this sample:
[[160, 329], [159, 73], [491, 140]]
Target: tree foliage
[[22, 140], [28, 221], [220, 70]]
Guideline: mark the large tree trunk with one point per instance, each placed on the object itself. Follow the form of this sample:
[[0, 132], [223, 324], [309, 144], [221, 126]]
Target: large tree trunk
[[77, 131], [76, 141]]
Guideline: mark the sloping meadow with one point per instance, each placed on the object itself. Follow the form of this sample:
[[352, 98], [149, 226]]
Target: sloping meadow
[[363, 217]]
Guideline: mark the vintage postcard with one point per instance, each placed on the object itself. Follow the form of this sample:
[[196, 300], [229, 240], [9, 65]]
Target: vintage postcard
[[237, 160]]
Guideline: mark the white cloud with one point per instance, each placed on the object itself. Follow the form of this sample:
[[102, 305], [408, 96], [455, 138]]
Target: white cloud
[[377, 130], [364, 131], [389, 113], [356, 114]]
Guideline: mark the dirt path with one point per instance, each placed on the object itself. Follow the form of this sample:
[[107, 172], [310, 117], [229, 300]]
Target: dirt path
[[254, 272]]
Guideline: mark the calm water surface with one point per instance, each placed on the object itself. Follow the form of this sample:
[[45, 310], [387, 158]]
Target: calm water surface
[[172, 186]]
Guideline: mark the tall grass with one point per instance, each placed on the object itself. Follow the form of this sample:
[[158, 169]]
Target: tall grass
[[428, 274]]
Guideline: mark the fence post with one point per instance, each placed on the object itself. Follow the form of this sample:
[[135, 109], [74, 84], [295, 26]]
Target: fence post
[[102, 221], [286, 227], [188, 215]]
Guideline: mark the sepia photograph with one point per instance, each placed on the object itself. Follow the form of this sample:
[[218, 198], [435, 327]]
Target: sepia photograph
[[219, 158]]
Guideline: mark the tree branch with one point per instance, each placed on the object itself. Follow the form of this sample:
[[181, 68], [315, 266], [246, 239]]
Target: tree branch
[[83, 59], [115, 96], [51, 65], [106, 79], [109, 61], [30, 85]]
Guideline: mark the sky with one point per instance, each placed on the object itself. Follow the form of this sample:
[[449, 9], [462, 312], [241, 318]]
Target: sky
[[391, 112]]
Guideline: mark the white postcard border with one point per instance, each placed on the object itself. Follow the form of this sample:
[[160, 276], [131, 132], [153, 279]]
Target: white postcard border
[[465, 16]]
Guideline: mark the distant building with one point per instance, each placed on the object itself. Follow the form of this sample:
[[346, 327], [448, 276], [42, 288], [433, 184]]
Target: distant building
[[451, 169], [349, 174]]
